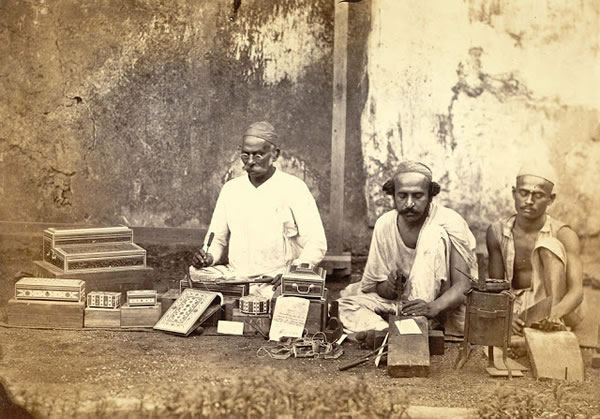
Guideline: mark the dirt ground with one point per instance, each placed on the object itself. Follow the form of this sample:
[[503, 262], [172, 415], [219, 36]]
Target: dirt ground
[[74, 373]]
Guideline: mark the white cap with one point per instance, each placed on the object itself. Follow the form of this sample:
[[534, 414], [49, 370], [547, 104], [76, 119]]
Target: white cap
[[539, 168]]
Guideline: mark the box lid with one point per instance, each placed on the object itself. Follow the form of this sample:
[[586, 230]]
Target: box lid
[[45, 282]]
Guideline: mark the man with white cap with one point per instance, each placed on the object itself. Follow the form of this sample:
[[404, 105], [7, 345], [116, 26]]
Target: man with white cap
[[267, 218], [414, 251], [538, 254]]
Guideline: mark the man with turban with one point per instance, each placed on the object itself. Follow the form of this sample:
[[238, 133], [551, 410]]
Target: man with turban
[[267, 218], [414, 251], [538, 254]]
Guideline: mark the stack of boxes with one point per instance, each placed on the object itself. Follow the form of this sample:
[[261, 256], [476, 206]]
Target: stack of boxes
[[47, 302], [103, 309], [307, 281], [142, 309], [92, 249]]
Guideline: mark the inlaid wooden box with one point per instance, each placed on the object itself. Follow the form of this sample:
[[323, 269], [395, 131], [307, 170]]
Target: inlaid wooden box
[[102, 317], [97, 257], [136, 298], [50, 289], [303, 280], [144, 316], [104, 299], [37, 313], [59, 237]]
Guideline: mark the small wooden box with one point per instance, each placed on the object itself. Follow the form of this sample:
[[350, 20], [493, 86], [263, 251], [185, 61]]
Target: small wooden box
[[50, 289], [58, 237], [254, 324], [139, 298], [144, 316], [102, 317], [104, 299], [34, 313], [304, 280]]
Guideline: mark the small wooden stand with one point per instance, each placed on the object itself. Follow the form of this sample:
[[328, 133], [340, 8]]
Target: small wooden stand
[[102, 317], [35, 313], [488, 322], [143, 316]]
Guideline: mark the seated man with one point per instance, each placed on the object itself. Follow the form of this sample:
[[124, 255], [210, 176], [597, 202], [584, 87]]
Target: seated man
[[536, 253], [269, 219], [421, 243]]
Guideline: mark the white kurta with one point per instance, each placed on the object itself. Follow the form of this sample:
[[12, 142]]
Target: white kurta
[[267, 227]]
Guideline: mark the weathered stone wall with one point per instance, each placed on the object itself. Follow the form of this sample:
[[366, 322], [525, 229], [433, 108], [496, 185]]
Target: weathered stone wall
[[473, 88], [131, 111]]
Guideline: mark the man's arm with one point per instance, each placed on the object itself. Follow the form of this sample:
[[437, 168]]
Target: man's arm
[[310, 227], [453, 297], [220, 228], [574, 295], [495, 263]]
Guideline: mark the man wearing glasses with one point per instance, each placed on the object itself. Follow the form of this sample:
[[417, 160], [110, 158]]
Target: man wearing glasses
[[268, 219], [538, 254]]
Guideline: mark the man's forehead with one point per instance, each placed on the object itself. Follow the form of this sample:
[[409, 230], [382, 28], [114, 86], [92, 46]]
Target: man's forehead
[[410, 180], [533, 182], [255, 143]]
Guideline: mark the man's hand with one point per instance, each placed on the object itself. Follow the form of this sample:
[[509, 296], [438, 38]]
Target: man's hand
[[202, 259], [396, 282], [517, 326], [276, 281], [419, 308]]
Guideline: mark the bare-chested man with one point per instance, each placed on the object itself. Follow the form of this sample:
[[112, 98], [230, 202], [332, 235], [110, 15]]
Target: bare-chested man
[[538, 254]]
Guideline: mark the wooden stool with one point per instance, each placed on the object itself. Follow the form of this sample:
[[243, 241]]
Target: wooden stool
[[488, 322]]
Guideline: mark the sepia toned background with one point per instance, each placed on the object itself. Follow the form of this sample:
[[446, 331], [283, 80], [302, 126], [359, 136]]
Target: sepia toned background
[[129, 112]]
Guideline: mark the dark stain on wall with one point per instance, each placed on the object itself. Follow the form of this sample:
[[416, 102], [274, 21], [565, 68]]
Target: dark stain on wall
[[130, 111]]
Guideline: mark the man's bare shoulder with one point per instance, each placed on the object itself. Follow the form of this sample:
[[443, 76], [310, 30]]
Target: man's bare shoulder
[[569, 238]]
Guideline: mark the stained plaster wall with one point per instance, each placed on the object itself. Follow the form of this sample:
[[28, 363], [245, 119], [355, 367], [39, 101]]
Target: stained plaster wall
[[475, 87], [131, 111]]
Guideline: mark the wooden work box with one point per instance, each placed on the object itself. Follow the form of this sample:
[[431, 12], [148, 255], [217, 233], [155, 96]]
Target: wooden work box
[[102, 317], [140, 316], [408, 354], [303, 280], [254, 324], [51, 289], [118, 281], [228, 290], [98, 257], [316, 320], [59, 237], [35, 313]]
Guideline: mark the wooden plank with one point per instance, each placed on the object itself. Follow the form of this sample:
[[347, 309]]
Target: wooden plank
[[338, 129], [102, 317], [554, 355], [140, 316], [118, 281], [64, 314], [408, 355]]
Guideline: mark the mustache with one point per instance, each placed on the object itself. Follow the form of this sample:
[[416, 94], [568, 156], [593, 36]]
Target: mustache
[[408, 211]]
